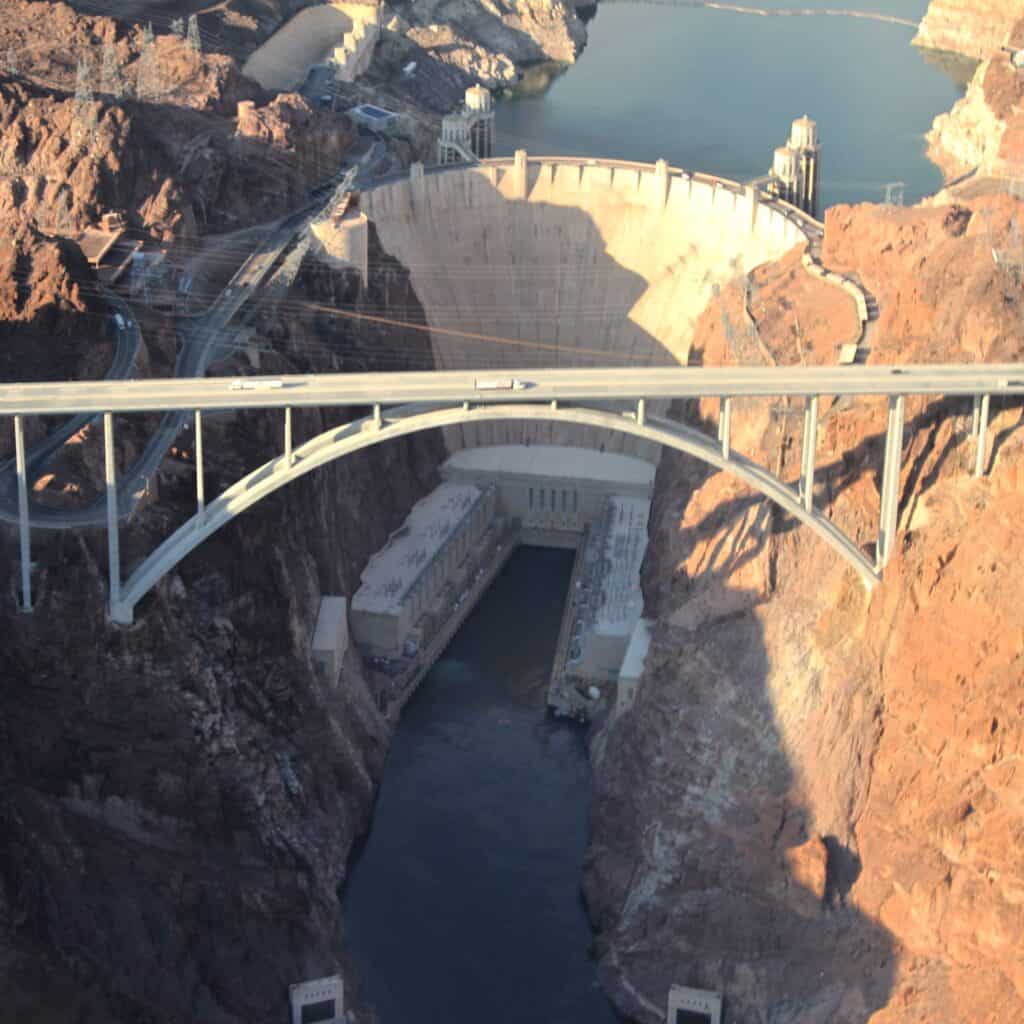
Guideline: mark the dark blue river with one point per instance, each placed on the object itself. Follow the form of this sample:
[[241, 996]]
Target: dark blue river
[[464, 904], [715, 91]]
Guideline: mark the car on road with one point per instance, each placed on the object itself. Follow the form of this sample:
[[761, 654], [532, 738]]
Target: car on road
[[119, 320], [254, 384], [500, 384]]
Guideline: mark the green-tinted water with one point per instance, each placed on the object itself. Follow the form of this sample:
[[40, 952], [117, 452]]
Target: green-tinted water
[[716, 91]]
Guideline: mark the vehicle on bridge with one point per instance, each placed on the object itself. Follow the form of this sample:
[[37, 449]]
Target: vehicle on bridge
[[255, 384], [501, 384]]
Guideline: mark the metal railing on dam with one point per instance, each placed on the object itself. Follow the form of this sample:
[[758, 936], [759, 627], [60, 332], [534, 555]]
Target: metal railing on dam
[[405, 403]]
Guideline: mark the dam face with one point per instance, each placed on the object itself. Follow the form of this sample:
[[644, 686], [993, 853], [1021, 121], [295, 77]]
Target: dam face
[[564, 262]]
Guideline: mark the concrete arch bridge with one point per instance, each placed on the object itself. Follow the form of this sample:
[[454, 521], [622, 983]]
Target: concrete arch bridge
[[403, 403]]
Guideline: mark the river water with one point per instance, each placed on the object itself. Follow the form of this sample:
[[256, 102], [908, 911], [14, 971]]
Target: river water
[[715, 91], [464, 904]]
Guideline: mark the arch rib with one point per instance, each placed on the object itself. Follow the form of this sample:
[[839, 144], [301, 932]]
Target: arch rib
[[409, 419]]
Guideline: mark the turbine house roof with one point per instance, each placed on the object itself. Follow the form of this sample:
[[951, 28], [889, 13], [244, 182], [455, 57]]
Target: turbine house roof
[[393, 571]]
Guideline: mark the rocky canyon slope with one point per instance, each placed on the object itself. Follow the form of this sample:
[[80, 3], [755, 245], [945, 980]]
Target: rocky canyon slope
[[815, 804], [984, 132], [973, 28], [180, 798]]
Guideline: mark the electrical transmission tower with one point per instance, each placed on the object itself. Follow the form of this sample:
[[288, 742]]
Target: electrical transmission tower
[[11, 63], [178, 28], [111, 81], [894, 193], [84, 124], [147, 82], [194, 39]]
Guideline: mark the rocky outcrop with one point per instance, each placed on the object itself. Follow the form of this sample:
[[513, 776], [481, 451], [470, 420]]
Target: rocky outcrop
[[811, 804], [984, 129], [523, 31], [49, 310], [972, 27], [179, 799], [488, 43]]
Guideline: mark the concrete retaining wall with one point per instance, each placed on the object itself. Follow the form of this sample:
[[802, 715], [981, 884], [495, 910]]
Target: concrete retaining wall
[[344, 32]]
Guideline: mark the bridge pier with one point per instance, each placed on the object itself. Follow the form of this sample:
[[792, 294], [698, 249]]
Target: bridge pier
[[889, 510], [810, 444], [725, 425], [117, 613], [200, 483], [979, 427], [23, 520], [288, 436]]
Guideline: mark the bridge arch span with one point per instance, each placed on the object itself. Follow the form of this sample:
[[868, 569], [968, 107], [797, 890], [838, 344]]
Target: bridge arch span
[[409, 419]]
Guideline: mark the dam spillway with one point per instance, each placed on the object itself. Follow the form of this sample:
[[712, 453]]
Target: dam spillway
[[571, 262]]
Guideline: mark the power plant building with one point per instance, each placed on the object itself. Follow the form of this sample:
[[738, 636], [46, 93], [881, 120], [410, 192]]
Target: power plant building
[[616, 544], [553, 491], [421, 570]]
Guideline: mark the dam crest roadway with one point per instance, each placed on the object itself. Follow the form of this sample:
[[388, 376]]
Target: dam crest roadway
[[404, 403]]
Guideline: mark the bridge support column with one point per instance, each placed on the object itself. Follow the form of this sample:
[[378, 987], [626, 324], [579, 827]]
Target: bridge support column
[[641, 412], [378, 418], [980, 430], [23, 520], [810, 444], [113, 540], [725, 425], [889, 511], [200, 483], [288, 436]]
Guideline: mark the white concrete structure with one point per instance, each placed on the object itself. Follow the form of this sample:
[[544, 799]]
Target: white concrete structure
[[345, 241], [330, 637], [621, 540], [405, 583], [342, 33], [693, 1006], [439, 400], [468, 132], [796, 167], [552, 489], [633, 665], [318, 1002], [589, 263]]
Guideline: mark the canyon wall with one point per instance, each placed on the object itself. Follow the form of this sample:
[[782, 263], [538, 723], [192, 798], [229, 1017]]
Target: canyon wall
[[814, 805], [985, 129], [973, 28], [179, 799]]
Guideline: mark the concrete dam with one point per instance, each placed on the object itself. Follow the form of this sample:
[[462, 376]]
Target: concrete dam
[[520, 264], [567, 262]]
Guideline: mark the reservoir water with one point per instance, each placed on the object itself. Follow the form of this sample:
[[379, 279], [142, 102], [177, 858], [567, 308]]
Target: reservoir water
[[464, 904], [715, 91]]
